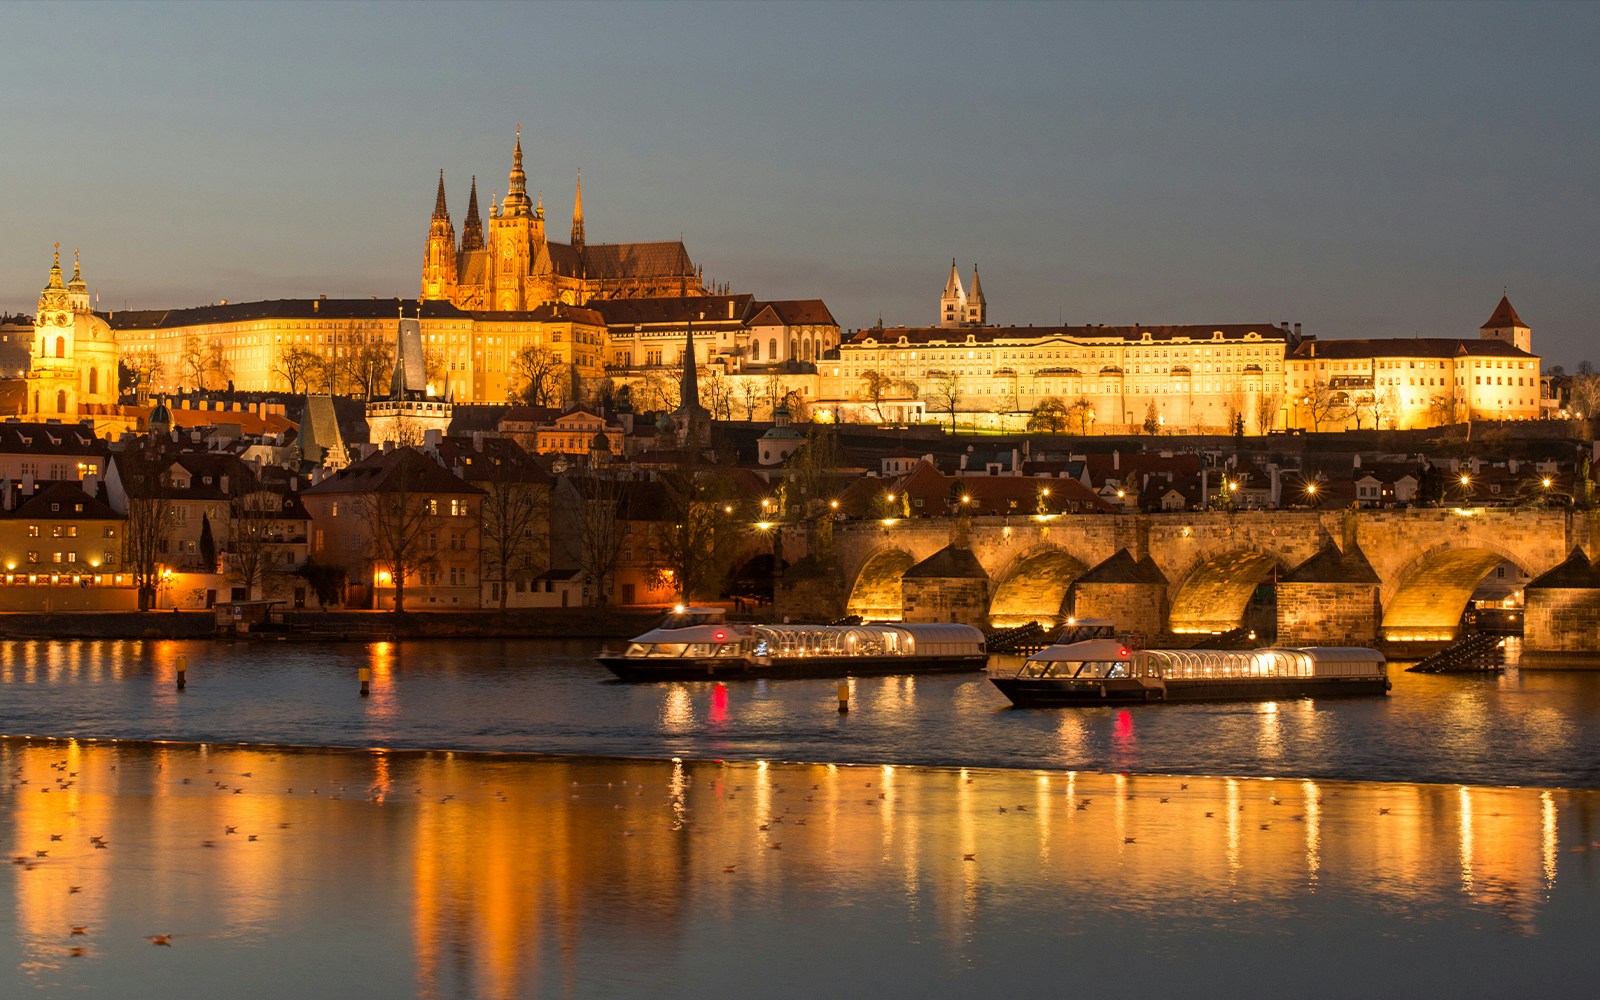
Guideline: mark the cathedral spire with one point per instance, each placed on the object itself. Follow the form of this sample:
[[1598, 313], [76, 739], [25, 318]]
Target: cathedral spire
[[439, 209], [472, 228], [516, 201], [577, 216]]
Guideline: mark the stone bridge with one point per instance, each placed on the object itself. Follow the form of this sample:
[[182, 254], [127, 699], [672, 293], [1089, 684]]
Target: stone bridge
[[1353, 576]]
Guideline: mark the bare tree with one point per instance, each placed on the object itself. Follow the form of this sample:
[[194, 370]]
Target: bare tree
[[749, 392], [254, 538], [599, 531], [201, 363], [944, 396], [1325, 404], [660, 390], [364, 369], [1081, 411], [141, 369], [402, 521], [1583, 390], [692, 547], [536, 373], [716, 395], [516, 525], [1267, 406], [152, 519], [297, 365]]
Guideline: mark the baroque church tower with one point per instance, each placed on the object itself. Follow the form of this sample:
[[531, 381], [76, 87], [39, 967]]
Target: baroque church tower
[[74, 371]]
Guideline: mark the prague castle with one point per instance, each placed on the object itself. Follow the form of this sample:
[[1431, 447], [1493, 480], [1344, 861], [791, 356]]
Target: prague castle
[[513, 267], [1191, 378]]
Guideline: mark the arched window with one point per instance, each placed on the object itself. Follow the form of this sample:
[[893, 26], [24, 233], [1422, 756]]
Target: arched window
[[794, 348], [94, 381], [807, 344], [61, 347], [755, 350], [61, 401], [772, 349]]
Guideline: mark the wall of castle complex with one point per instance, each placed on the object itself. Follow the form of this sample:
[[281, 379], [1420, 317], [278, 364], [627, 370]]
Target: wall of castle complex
[[1121, 385], [474, 356]]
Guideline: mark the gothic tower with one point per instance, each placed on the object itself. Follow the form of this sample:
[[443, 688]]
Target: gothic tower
[[953, 303], [516, 233], [439, 255]]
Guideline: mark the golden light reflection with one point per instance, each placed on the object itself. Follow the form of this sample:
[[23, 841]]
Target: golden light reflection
[[1312, 799], [1269, 739], [500, 865]]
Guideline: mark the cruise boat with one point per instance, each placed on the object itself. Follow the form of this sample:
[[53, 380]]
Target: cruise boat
[[699, 644], [1107, 670]]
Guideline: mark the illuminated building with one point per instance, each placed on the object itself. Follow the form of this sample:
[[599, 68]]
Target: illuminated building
[[514, 267], [1173, 379], [74, 368]]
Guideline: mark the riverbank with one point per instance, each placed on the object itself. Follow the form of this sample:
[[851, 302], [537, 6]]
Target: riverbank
[[533, 623]]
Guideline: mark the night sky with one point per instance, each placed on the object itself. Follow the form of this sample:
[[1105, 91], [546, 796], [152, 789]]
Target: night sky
[[1364, 170]]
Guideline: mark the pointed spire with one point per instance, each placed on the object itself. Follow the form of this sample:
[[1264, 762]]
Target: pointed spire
[[77, 284], [55, 270], [577, 215], [439, 209], [472, 229], [952, 284], [689, 385], [516, 203], [977, 289]]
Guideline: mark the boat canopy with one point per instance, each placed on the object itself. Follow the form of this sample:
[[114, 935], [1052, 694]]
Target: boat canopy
[[869, 640], [1206, 664]]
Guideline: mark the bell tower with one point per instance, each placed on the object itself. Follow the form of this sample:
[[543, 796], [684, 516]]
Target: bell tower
[[953, 303], [53, 377]]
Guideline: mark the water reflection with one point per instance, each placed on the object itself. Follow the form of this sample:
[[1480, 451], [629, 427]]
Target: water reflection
[[520, 876]]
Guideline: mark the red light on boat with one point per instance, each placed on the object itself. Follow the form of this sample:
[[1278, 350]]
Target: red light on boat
[[1124, 651], [720, 635]]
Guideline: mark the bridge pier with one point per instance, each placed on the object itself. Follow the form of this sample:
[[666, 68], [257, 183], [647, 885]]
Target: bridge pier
[[1561, 613], [1330, 599], [1132, 593]]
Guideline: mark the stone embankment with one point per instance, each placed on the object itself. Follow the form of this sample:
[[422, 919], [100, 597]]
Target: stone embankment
[[551, 623]]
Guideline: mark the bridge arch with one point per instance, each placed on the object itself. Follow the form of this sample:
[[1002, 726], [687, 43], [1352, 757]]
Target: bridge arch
[[1034, 587], [1216, 591], [1425, 600], [875, 594]]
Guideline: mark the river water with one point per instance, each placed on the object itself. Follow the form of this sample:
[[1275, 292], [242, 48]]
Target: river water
[[1539, 728], [1365, 847]]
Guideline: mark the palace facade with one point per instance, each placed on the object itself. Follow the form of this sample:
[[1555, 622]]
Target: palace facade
[[1194, 378]]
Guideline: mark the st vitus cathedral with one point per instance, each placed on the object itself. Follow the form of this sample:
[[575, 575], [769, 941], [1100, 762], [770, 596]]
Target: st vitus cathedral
[[512, 267]]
